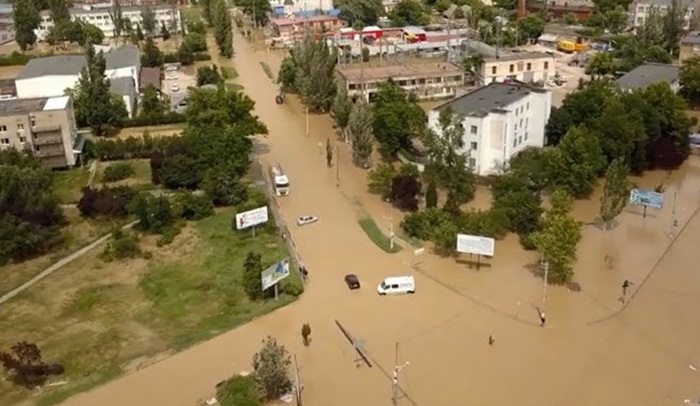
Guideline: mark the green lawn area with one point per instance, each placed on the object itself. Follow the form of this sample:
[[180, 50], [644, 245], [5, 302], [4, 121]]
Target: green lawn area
[[141, 177], [68, 184], [375, 234], [101, 320], [268, 71], [229, 73], [192, 13], [234, 86]]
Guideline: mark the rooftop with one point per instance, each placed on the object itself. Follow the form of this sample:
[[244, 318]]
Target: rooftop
[[281, 22], [105, 8], [691, 39], [647, 74], [21, 106], [122, 86], [150, 76], [56, 103], [63, 65], [518, 56], [495, 96], [401, 72]]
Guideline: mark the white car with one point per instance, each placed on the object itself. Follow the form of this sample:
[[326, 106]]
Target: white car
[[304, 220], [175, 87]]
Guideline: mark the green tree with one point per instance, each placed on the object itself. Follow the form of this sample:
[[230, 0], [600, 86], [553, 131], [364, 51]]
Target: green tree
[[256, 9], [575, 163], [431, 196], [118, 20], [448, 165], [223, 28], [224, 188], [239, 391], [409, 12], [511, 193], [397, 118], [670, 146], [94, 104], [602, 64], [620, 132], [361, 13], [690, 79], [139, 33], [59, 10], [151, 56], [26, 19], [151, 104], [252, 275], [149, 23], [211, 110], [530, 27], [558, 237], [164, 32], [90, 34], [315, 73], [359, 131], [208, 75], [287, 75], [615, 192], [207, 11], [379, 179], [153, 212], [341, 110], [270, 367]]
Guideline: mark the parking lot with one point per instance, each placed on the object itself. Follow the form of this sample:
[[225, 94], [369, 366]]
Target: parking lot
[[177, 79]]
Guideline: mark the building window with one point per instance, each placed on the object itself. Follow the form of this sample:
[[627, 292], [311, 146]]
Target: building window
[[474, 129], [521, 123], [515, 128], [474, 146], [525, 136], [3, 128], [515, 142], [528, 105], [493, 70], [4, 141], [527, 123], [528, 66], [20, 127], [520, 140], [511, 69], [546, 65], [33, 121], [472, 162], [22, 139]]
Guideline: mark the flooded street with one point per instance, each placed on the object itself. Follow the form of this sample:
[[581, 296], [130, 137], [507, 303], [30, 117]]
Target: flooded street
[[593, 351]]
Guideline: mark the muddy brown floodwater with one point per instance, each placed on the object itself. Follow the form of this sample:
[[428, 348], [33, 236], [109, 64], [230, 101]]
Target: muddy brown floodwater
[[593, 351]]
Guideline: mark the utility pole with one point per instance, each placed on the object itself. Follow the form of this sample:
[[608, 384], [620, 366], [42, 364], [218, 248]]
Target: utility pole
[[306, 114], [544, 284], [391, 225], [337, 164], [395, 375], [297, 382]]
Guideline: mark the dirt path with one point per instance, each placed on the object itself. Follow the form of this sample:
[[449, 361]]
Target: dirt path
[[641, 356]]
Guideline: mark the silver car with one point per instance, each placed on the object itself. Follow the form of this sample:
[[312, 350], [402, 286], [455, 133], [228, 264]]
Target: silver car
[[304, 220]]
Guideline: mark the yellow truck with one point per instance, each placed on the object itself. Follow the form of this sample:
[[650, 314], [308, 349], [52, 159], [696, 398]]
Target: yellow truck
[[570, 46]]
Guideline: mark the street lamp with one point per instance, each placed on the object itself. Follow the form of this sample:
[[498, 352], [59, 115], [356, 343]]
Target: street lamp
[[391, 225], [395, 381]]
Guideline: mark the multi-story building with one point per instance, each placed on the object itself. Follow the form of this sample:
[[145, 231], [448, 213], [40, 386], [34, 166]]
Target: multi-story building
[[99, 16], [522, 66], [689, 46], [44, 126], [426, 81], [499, 121], [294, 27], [581, 9], [291, 7], [639, 10], [7, 32]]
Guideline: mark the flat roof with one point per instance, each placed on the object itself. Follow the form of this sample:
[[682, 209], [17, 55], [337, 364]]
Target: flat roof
[[303, 20], [400, 71], [56, 103], [21, 106], [494, 96], [647, 74], [693, 39], [64, 65], [518, 56], [106, 8]]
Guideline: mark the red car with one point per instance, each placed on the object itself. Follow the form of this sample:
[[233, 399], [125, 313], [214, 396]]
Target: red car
[[352, 281]]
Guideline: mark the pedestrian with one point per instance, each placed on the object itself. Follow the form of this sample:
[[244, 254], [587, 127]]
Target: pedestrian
[[491, 340], [543, 319], [625, 286]]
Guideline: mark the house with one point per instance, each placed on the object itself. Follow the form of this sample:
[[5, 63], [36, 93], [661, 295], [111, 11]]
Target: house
[[581, 9], [294, 28], [99, 16], [689, 46], [639, 10], [521, 66], [292, 7], [426, 81], [150, 77], [44, 126], [51, 76], [649, 73], [7, 32], [126, 89], [499, 121]]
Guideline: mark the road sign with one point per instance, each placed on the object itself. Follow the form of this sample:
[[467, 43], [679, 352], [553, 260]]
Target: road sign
[[275, 273], [475, 244], [251, 218], [646, 198]]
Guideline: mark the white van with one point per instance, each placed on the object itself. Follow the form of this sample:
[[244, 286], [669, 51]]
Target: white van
[[397, 284]]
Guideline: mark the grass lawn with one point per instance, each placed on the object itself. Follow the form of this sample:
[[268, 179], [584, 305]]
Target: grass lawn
[[68, 184], [268, 71], [104, 319], [234, 86], [375, 234], [191, 14], [229, 73], [141, 177], [166, 130]]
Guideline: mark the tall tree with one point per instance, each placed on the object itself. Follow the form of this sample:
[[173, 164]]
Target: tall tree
[[252, 279], [340, 111], [690, 79], [361, 13], [558, 237], [223, 28], [149, 23], [26, 18], [258, 10], [360, 133], [151, 103], [575, 163], [151, 56], [409, 12], [448, 164], [59, 11], [118, 20], [314, 76], [615, 192], [397, 118], [271, 368], [95, 105], [207, 8]]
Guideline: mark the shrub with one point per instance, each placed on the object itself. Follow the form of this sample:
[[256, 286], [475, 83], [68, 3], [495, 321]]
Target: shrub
[[404, 192], [292, 289], [171, 117], [190, 206], [239, 391], [168, 235], [118, 171], [15, 59], [123, 245], [153, 212], [131, 147], [110, 202]]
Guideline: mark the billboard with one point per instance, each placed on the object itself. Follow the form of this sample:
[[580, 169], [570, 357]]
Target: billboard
[[275, 273], [251, 218], [475, 244], [647, 198]]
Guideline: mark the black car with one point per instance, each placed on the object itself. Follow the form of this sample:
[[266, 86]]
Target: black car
[[352, 281]]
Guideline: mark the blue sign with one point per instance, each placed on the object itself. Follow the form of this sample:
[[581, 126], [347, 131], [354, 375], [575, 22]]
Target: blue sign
[[646, 198]]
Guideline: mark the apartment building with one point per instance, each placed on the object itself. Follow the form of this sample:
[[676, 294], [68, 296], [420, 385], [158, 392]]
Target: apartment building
[[295, 27], [522, 66], [44, 126], [7, 32], [639, 11], [499, 121], [292, 7], [99, 16], [426, 81]]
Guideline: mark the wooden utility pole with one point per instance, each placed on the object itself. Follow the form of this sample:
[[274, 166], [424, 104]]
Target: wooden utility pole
[[297, 382]]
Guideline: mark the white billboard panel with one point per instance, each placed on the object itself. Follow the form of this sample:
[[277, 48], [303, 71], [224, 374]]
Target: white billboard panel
[[475, 244], [275, 273], [251, 218]]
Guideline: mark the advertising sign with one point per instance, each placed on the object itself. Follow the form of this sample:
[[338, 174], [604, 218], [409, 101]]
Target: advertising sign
[[474, 244], [646, 198], [251, 218], [275, 273]]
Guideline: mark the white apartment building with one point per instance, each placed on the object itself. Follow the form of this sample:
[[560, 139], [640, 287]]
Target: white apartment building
[[639, 10], [98, 15], [499, 121], [522, 66], [293, 7]]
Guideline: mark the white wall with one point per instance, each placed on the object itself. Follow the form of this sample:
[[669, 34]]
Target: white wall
[[45, 86], [132, 72], [493, 139], [305, 5]]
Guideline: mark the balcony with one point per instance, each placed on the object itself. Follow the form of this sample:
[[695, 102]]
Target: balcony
[[47, 140], [49, 152], [49, 128]]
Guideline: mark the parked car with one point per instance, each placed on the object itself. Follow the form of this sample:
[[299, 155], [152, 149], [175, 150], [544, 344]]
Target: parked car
[[175, 88], [352, 281], [397, 284], [304, 220]]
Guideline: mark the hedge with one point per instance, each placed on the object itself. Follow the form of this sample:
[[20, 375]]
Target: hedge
[[128, 148], [171, 117], [15, 59], [174, 57]]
